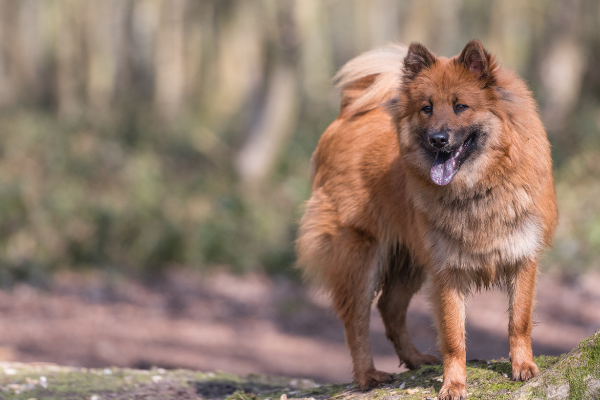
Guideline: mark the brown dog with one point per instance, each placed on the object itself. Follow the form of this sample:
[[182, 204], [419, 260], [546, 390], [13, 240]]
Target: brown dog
[[437, 170]]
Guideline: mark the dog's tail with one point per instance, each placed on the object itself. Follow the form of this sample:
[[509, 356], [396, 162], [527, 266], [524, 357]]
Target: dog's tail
[[371, 79]]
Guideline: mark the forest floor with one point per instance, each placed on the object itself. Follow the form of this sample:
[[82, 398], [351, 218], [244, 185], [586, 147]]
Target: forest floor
[[252, 324]]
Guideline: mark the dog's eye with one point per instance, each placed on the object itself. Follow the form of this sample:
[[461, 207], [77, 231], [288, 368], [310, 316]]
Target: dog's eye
[[427, 109], [460, 107]]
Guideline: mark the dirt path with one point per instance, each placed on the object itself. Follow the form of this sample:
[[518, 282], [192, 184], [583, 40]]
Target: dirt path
[[251, 324]]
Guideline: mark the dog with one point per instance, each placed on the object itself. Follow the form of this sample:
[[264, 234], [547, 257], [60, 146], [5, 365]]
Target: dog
[[437, 171]]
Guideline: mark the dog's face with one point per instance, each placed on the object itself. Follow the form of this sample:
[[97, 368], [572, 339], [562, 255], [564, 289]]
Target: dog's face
[[445, 115]]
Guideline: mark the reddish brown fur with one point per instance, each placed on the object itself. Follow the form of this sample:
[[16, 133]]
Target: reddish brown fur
[[376, 221]]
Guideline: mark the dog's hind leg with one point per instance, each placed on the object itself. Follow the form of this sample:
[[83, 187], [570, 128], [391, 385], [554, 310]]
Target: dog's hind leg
[[346, 261], [357, 271], [402, 282]]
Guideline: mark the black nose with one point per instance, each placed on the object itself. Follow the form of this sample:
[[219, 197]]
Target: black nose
[[438, 139]]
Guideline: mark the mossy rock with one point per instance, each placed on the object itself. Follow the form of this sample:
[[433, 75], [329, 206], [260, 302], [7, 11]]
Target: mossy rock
[[486, 380], [574, 377], [46, 381]]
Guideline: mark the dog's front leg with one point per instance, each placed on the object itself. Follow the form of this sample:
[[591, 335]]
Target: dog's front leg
[[521, 291], [449, 307]]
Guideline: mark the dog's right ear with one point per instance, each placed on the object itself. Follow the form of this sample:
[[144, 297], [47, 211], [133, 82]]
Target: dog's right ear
[[417, 59]]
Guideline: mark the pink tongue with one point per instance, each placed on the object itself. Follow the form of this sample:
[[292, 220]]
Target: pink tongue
[[444, 168]]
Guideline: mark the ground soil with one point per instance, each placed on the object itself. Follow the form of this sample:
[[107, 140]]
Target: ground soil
[[252, 324]]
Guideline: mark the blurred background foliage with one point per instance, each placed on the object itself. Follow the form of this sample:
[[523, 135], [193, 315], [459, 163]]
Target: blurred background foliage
[[137, 135]]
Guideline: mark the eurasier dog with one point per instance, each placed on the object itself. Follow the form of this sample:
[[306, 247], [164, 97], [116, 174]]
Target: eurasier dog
[[436, 170]]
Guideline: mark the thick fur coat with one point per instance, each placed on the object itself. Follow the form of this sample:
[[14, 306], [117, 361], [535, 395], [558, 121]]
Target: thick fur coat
[[436, 170]]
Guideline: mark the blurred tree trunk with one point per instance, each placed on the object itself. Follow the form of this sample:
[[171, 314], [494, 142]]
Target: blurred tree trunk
[[102, 21], [68, 56], [19, 41], [316, 55], [561, 73], [7, 88], [236, 59], [275, 123], [169, 63]]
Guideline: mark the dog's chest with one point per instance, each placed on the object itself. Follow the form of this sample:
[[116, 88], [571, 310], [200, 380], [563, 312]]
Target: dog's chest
[[495, 230]]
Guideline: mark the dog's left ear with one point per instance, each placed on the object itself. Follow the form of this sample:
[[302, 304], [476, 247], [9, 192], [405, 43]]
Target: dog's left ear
[[477, 60]]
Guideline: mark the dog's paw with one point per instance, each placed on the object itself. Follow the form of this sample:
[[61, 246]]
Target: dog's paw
[[453, 391], [372, 379], [421, 359], [524, 371]]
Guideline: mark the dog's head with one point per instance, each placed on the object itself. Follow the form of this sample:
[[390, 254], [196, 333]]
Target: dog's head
[[446, 115]]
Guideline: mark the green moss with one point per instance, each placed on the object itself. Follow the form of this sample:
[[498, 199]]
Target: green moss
[[22, 382], [545, 362], [68, 383], [241, 395], [582, 367], [568, 373]]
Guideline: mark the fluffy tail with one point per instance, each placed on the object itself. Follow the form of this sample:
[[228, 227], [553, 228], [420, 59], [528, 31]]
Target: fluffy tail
[[370, 79]]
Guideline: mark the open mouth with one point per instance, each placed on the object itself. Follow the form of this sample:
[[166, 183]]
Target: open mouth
[[446, 163]]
